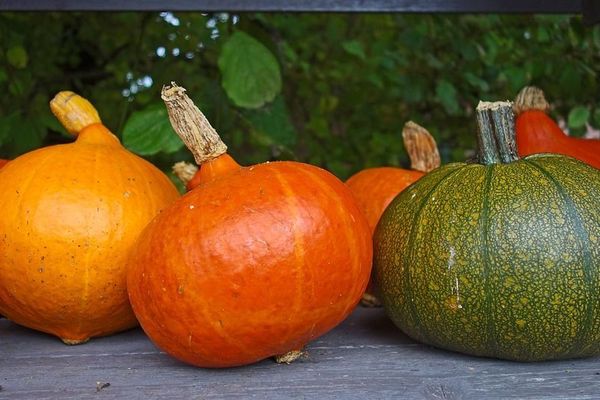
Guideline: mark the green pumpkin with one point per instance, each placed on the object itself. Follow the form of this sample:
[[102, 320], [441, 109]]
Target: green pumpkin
[[499, 258]]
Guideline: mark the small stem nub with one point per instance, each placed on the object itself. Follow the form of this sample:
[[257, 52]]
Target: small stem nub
[[421, 147], [184, 171], [496, 136], [290, 356], [530, 98], [191, 125]]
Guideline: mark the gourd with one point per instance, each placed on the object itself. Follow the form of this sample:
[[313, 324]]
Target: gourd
[[538, 133], [254, 262], [375, 188], [3, 163], [70, 215], [498, 258]]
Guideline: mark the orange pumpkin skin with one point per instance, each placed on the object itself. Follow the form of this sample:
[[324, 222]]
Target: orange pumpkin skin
[[3, 163], [254, 262], [70, 214], [538, 133], [375, 188]]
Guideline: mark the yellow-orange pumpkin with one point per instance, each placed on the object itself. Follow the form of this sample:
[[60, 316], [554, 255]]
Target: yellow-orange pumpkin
[[253, 262], [70, 214]]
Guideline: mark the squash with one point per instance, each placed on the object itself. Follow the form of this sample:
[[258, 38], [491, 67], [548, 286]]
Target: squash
[[375, 188], [498, 258], [538, 133], [70, 214], [254, 262], [3, 163]]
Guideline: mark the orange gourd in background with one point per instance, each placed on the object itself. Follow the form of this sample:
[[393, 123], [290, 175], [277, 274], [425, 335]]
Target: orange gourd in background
[[375, 188], [70, 214], [538, 133], [254, 262]]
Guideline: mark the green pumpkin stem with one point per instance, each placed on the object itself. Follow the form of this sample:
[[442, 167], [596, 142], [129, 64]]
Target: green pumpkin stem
[[496, 135]]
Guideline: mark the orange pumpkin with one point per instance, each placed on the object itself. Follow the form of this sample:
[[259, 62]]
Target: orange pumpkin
[[70, 214], [254, 262], [3, 162], [538, 133], [375, 188]]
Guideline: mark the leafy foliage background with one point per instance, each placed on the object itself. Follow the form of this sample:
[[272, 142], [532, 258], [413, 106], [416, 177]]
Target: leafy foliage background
[[333, 90]]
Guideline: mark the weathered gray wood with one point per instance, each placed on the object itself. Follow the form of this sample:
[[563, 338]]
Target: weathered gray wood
[[364, 358]]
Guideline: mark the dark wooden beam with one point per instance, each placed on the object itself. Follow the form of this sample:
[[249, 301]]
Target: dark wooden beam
[[407, 6]]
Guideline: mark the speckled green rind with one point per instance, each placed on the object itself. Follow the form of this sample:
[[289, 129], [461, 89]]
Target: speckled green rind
[[500, 260]]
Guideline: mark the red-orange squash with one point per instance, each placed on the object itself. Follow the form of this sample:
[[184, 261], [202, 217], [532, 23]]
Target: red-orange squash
[[375, 188], [538, 133], [254, 262], [70, 215], [3, 163]]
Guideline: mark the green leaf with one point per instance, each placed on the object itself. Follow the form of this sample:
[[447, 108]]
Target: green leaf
[[274, 122], [354, 48], [477, 82], [447, 95], [149, 132], [578, 116], [7, 124], [516, 77], [596, 36], [17, 57], [542, 34], [597, 116], [19, 134], [251, 75]]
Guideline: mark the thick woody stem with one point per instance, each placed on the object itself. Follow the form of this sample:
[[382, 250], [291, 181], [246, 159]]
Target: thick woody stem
[[421, 147], [496, 135], [191, 125], [530, 98]]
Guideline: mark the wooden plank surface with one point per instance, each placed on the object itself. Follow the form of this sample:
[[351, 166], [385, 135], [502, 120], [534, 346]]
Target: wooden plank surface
[[364, 358], [479, 6]]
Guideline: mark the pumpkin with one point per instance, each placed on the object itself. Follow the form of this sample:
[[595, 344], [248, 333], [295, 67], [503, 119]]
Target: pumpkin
[[254, 262], [70, 214], [3, 163], [498, 258], [538, 133], [375, 188]]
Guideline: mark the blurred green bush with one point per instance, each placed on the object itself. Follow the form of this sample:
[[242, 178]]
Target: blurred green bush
[[329, 89]]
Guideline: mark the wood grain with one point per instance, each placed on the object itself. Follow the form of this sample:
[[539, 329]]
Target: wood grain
[[366, 357]]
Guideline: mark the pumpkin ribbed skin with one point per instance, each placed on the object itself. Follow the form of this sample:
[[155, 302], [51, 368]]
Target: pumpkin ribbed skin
[[251, 263], [70, 214], [499, 260]]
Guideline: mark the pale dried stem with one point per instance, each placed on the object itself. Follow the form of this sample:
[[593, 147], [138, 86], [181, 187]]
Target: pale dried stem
[[184, 171], [73, 111], [191, 125], [421, 147], [289, 357], [530, 98]]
